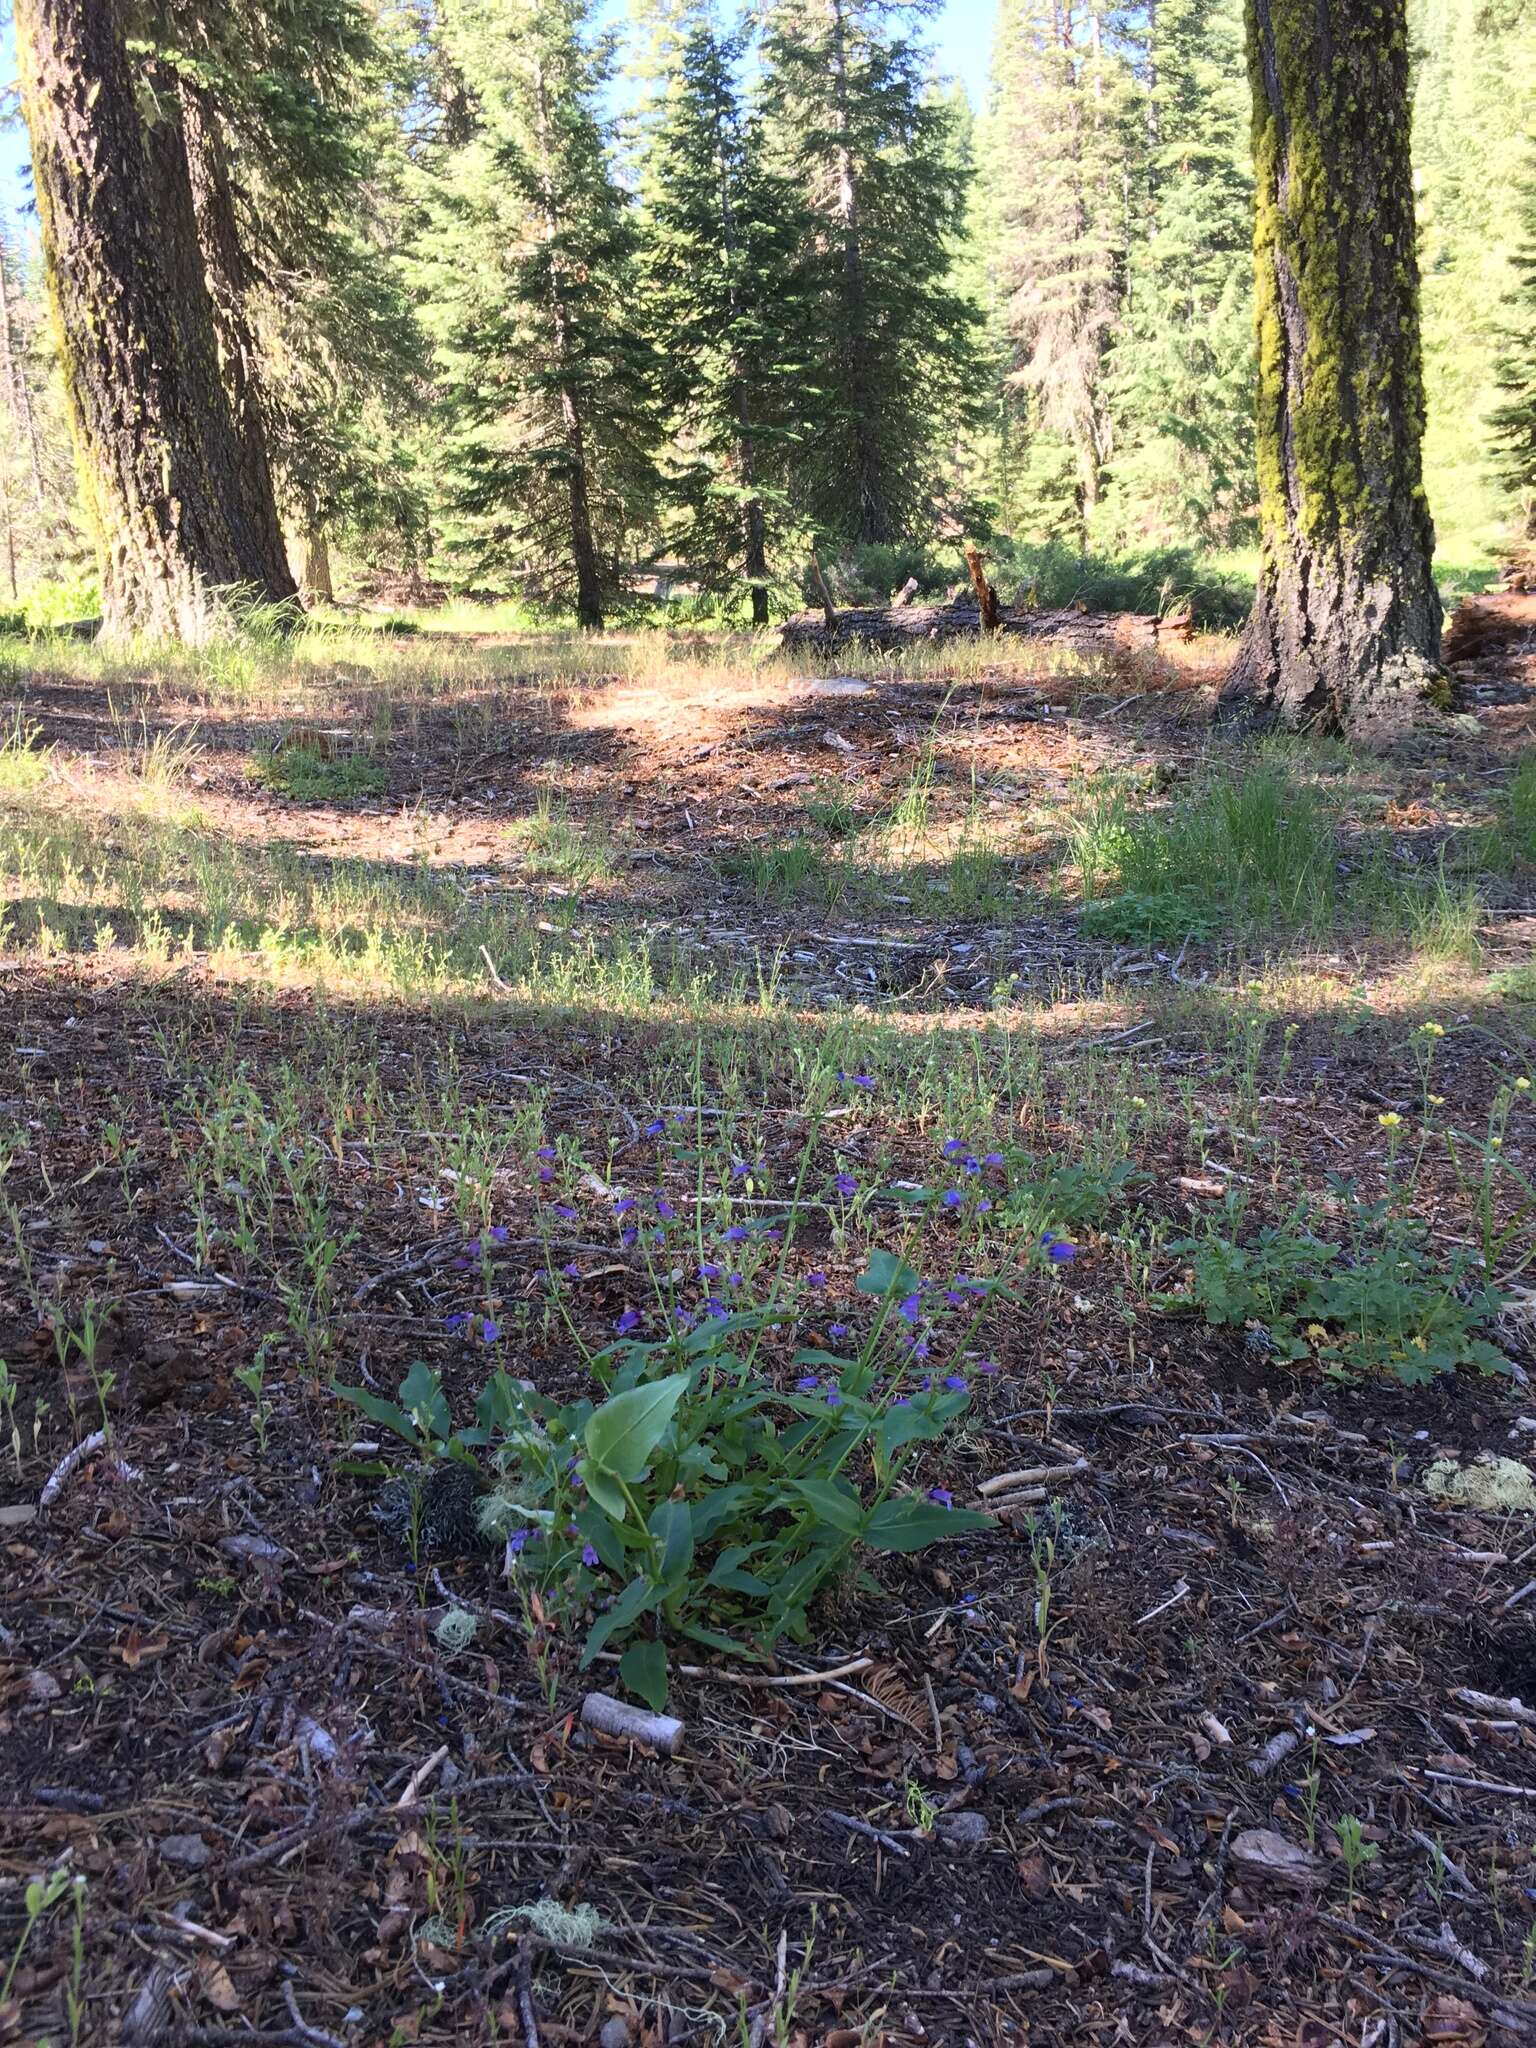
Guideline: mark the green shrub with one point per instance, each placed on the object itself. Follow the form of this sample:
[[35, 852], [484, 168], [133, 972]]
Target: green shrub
[[308, 777], [1379, 1300]]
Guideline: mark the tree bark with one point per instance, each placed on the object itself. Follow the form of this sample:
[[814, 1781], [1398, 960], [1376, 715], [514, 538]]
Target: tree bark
[[1345, 631], [315, 579], [165, 476], [229, 287]]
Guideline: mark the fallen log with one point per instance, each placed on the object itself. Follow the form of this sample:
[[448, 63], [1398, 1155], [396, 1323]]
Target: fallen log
[[960, 618]]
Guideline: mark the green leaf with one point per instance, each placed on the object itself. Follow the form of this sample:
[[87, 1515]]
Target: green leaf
[[643, 1668], [908, 1425], [637, 1598], [623, 1433], [910, 1524], [887, 1274], [833, 1502], [421, 1394], [385, 1413], [672, 1526], [607, 1492]]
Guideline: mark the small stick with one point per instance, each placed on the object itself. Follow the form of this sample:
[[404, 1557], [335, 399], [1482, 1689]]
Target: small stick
[[1452, 1869], [600, 1710], [1031, 1475], [490, 968], [862, 1827], [1482, 1785], [408, 1796], [525, 2011], [1486, 1703], [302, 2027], [1275, 1751], [1180, 1592], [933, 1709]]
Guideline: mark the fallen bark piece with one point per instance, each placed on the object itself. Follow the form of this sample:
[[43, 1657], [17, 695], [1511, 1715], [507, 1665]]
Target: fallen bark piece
[[1275, 1751], [71, 1461], [608, 1716], [1489, 1703], [1260, 1852]]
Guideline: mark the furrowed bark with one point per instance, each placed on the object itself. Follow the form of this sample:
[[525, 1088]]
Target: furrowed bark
[[165, 475], [1345, 631]]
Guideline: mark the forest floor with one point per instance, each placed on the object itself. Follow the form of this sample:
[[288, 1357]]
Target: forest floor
[[351, 988]]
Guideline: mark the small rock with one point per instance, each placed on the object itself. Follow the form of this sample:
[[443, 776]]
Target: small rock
[[42, 1687], [964, 1830], [18, 1515], [614, 2033], [988, 1703], [835, 686], [187, 1852]]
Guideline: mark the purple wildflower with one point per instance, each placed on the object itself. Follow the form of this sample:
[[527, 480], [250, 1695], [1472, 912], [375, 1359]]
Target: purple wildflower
[[911, 1308], [845, 1184], [655, 1127], [983, 1206], [992, 1159], [499, 1233], [664, 1209], [490, 1331], [572, 1271], [988, 1365], [1061, 1253], [630, 1320], [815, 1279], [564, 1209], [456, 1321], [837, 1331], [941, 1496], [834, 1398], [807, 1383], [546, 1175], [955, 1381], [902, 1401], [737, 1234], [953, 1147], [709, 1271], [629, 1238], [920, 1348], [517, 1540], [951, 1198], [589, 1557], [623, 1205], [856, 1080], [546, 1152]]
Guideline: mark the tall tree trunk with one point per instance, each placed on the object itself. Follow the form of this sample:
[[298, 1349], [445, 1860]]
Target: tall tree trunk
[[589, 581], [754, 524], [315, 579], [165, 475], [229, 286], [1345, 632]]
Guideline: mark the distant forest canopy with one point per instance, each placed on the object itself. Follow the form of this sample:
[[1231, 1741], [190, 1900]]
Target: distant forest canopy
[[763, 285]]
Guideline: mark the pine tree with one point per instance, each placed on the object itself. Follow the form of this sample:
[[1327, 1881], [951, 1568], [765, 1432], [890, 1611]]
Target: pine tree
[[1064, 137], [1180, 371], [722, 243], [178, 517], [889, 343], [1345, 630], [529, 266], [1513, 421]]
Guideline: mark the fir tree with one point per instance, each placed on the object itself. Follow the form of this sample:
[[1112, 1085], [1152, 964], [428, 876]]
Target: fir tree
[[1513, 420], [1180, 372], [889, 342], [546, 385], [722, 246], [1063, 146]]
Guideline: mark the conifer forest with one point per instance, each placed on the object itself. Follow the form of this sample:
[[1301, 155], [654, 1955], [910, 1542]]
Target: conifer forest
[[768, 1023]]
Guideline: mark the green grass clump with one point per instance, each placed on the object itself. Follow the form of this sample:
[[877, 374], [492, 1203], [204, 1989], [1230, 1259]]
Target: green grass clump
[[23, 763], [1259, 851], [1517, 819], [306, 776]]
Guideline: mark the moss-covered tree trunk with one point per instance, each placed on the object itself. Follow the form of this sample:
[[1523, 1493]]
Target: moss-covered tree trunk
[[1345, 632], [165, 475]]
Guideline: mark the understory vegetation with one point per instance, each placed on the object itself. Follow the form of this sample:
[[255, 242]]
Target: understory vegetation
[[820, 1206]]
